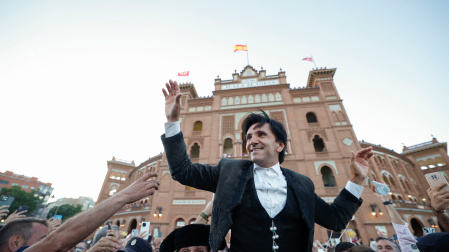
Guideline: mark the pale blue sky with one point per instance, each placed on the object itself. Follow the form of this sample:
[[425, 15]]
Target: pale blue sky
[[80, 81]]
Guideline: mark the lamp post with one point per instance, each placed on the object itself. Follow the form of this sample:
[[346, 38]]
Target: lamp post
[[156, 214]]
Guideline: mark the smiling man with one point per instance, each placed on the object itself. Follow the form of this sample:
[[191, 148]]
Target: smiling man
[[268, 208]]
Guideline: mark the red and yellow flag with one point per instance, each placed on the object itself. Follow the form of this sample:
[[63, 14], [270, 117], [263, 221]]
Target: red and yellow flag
[[240, 48]]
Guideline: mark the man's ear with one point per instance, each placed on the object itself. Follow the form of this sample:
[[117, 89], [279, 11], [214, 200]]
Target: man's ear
[[15, 242], [280, 147]]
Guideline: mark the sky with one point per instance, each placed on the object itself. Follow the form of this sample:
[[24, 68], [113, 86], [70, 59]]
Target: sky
[[80, 81]]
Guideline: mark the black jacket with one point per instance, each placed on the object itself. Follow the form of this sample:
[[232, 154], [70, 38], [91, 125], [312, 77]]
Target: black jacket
[[228, 179]]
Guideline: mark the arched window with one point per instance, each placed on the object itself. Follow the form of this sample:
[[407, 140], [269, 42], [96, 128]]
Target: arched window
[[250, 99], [224, 102], [195, 151], [392, 182], [385, 179], [311, 117], [132, 225], [112, 190], [318, 143], [328, 177], [192, 221], [228, 147], [198, 126], [393, 198], [112, 176], [180, 223]]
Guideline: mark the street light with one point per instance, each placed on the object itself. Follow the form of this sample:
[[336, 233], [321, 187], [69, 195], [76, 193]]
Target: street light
[[158, 209]]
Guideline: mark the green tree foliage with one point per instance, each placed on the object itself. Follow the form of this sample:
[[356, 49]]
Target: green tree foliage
[[66, 211], [21, 198]]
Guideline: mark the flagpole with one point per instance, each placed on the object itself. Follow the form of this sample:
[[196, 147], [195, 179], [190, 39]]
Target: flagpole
[[313, 61], [188, 76], [247, 55]]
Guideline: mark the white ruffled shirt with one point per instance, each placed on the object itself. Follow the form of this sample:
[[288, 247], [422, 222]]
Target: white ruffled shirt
[[271, 185]]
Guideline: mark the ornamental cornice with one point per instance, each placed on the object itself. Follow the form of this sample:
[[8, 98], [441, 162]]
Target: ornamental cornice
[[251, 90]]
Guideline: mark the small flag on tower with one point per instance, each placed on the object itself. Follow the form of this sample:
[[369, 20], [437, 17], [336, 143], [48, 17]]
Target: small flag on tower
[[240, 48], [308, 59], [186, 73]]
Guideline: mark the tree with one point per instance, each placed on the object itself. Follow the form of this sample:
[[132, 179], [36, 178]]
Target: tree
[[65, 210], [21, 198]]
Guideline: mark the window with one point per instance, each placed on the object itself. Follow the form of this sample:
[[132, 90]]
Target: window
[[195, 151], [4, 182], [198, 126], [33, 188], [112, 191], [228, 147], [180, 223], [328, 177], [318, 143], [24, 186], [311, 117], [14, 184]]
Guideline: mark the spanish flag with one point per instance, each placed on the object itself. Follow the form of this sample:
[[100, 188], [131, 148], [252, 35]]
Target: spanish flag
[[240, 48]]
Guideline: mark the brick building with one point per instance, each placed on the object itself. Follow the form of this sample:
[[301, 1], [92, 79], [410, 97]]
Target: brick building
[[41, 189], [320, 140]]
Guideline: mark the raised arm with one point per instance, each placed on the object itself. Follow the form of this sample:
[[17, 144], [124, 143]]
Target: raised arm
[[79, 227], [439, 200]]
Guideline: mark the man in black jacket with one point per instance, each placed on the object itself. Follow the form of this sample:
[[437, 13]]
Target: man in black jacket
[[268, 208]]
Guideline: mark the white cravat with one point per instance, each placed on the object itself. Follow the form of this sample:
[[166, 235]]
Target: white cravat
[[271, 188]]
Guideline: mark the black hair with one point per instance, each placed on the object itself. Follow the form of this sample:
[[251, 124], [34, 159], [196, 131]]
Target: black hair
[[343, 246], [276, 127], [22, 227]]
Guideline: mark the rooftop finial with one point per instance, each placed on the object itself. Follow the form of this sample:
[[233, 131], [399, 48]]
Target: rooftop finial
[[261, 67]]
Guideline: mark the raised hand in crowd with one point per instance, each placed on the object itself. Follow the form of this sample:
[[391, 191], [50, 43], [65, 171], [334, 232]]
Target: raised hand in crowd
[[14, 216], [86, 222], [172, 101], [203, 218], [53, 224], [107, 243], [4, 210], [439, 200], [359, 165], [143, 235]]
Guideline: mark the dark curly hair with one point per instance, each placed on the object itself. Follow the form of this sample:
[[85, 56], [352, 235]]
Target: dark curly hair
[[276, 127]]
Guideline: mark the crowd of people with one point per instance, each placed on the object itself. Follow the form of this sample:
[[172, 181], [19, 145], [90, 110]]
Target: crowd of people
[[266, 207]]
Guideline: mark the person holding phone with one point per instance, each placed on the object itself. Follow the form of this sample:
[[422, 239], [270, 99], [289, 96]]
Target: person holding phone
[[439, 201]]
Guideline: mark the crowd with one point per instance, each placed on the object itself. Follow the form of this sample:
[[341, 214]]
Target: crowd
[[267, 207]]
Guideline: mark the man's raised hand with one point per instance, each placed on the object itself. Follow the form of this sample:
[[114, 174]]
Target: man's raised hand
[[172, 101], [359, 164]]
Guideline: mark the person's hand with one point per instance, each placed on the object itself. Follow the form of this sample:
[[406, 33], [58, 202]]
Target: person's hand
[[359, 164], [209, 206], [14, 216], [53, 224], [142, 187], [4, 210], [143, 235], [172, 101], [439, 197], [107, 243]]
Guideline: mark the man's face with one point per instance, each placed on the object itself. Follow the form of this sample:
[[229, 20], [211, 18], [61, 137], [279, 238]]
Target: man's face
[[262, 146], [40, 232], [82, 246], [385, 246], [194, 249]]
